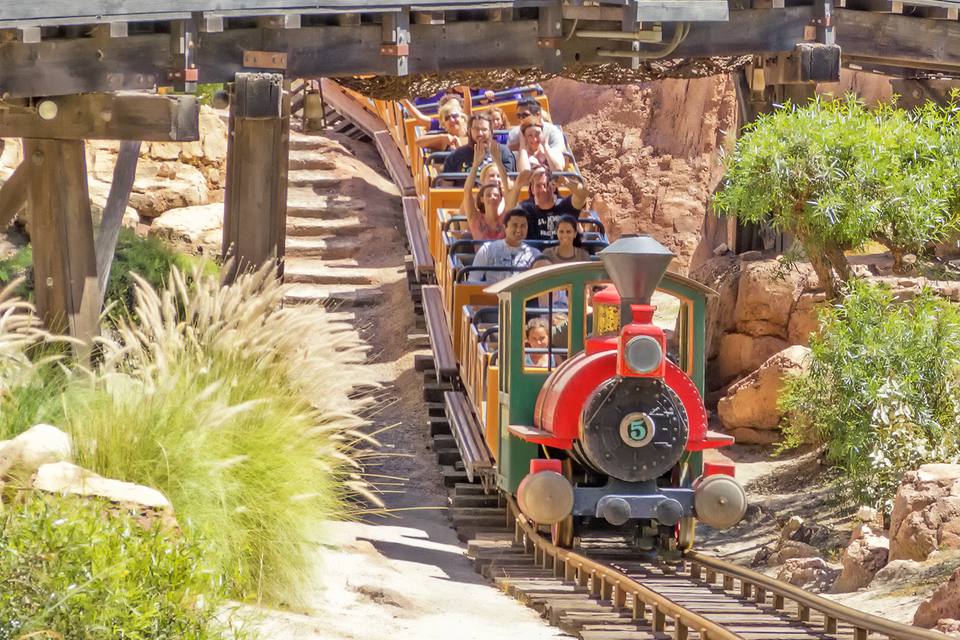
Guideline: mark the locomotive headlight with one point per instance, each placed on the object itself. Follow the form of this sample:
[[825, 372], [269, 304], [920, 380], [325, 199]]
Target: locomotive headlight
[[643, 354]]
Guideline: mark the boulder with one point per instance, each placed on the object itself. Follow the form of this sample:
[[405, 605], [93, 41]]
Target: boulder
[[926, 512], [942, 603], [861, 561], [37, 446], [791, 550], [198, 227], [898, 572], [811, 574], [66, 478], [949, 627], [803, 319], [147, 505], [765, 297], [720, 274], [790, 528], [740, 354], [753, 401], [154, 194]]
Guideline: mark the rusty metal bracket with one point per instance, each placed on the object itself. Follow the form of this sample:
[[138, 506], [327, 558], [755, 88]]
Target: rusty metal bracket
[[549, 43], [184, 75], [395, 49], [265, 59], [826, 21]]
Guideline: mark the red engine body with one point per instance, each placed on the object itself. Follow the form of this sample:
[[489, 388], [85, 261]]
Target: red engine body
[[562, 399]]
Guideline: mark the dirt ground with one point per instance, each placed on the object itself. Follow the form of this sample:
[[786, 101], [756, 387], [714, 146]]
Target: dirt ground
[[800, 484]]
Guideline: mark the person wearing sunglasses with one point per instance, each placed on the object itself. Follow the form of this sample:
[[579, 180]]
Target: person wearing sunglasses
[[454, 134], [529, 112]]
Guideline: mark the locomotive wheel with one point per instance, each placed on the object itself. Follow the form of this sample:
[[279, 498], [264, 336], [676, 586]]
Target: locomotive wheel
[[562, 533], [686, 530]]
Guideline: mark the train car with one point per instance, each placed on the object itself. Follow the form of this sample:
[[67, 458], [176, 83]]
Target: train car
[[600, 425], [607, 432]]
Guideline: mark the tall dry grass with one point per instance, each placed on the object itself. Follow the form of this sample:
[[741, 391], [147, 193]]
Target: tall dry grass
[[240, 410], [20, 330], [31, 371]]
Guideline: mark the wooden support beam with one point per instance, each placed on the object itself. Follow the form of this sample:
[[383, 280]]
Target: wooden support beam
[[348, 19], [936, 13], [255, 202], [13, 195], [124, 173], [916, 92], [429, 17], [894, 40], [61, 230], [107, 116], [549, 36], [183, 52], [395, 47]]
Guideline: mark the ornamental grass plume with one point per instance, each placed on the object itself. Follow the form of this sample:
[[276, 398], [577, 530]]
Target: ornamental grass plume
[[20, 330], [240, 411]]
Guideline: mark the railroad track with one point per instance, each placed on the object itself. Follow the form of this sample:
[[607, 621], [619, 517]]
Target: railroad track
[[607, 591]]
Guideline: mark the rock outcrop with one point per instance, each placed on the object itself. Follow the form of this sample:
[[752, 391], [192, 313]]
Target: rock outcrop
[[650, 155], [21, 456], [926, 512], [148, 505], [812, 574], [752, 403], [949, 627], [898, 572], [861, 561], [944, 603], [67, 478], [197, 229]]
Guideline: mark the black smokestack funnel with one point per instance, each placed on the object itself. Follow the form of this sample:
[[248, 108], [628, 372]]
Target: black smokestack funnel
[[636, 265]]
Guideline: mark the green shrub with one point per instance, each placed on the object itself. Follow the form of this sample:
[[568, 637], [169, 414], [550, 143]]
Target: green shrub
[[238, 411], [882, 389], [68, 568], [836, 175], [19, 265], [147, 257]]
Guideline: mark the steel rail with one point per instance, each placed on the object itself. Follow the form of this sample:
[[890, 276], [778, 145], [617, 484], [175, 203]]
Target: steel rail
[[707, 568], [610, 584]]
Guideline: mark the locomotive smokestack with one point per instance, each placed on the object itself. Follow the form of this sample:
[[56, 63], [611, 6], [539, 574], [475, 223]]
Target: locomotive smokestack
[[636, 265]]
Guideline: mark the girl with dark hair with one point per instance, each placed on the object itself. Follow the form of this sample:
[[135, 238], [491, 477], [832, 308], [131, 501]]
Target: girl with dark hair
[[570, 242]]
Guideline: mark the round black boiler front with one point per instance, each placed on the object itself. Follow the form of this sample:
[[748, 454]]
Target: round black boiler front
[[633, 429]]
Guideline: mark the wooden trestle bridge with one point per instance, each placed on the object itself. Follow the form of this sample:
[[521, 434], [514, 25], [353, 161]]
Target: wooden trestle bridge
[[72, 70]]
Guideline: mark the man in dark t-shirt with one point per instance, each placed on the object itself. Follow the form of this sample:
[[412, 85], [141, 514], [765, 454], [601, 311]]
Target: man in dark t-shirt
[[460, 160], [545, 208]]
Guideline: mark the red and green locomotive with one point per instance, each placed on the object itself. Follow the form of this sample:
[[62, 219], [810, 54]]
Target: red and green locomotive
[[604, 427]]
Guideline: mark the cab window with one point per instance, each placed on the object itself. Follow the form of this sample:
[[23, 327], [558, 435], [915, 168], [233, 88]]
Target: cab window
[[546, 335]]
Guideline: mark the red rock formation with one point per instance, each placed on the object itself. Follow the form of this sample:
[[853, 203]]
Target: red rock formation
[[650, 155], [942, 605], [926, 512]]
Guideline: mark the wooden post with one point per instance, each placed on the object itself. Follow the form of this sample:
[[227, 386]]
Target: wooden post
[[65, 270], [13, 195], [255, 202], [124, 173]]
